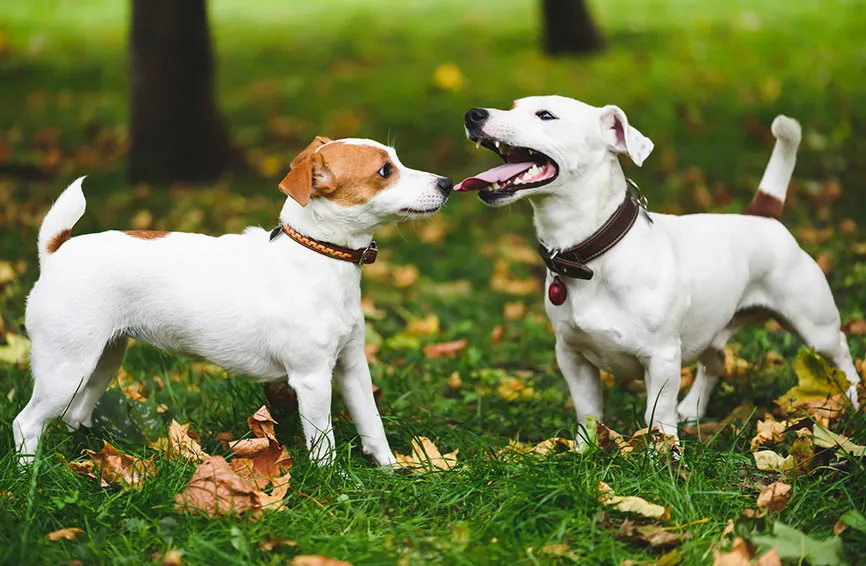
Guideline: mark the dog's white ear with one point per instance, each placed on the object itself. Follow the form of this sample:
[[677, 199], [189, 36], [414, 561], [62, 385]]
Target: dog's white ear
[[308, 174], [621, 137]]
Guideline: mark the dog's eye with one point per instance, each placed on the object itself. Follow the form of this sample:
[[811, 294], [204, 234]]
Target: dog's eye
[[545, 115], [386, 170]]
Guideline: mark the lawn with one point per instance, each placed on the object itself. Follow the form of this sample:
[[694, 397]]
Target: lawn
[[702, 80]]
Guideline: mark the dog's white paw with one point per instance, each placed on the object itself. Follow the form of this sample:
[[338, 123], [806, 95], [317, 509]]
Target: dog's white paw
[[852, 396], [688, 411]]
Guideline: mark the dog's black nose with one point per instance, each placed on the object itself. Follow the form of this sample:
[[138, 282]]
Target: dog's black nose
[[476, 117], [444, 185]]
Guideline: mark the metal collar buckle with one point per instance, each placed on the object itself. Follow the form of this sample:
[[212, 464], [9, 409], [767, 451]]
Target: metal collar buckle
[[635, 192], [371, 248]]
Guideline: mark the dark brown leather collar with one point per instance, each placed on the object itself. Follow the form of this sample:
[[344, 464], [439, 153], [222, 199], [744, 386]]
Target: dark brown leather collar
[[361, 256], [572, 262]]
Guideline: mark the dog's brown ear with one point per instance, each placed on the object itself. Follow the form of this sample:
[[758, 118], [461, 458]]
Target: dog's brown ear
[[306, 169]]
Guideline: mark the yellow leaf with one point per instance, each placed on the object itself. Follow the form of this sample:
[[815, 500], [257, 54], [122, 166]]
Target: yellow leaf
[[556, 444], [767, 460], [309, 560], [426, 326], [180, 444], [16, 351], [426, 457], [271, 543], [173, 557], [447, 76], [65, 534], [769, 432], [817, 380], [404, 276], [826, 439], [632, 504]]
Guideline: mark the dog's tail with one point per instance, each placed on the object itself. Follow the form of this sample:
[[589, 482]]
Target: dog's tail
[[770, 198], [57, 225]]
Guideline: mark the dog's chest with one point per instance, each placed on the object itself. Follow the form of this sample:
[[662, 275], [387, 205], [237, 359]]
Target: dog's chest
[[600, 330]]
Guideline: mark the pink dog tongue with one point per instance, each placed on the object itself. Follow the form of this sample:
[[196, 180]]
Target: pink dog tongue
[[495, 175]]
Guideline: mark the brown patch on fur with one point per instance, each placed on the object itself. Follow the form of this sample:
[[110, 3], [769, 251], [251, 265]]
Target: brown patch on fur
[[146, 234], [298, 183], [765, 205], [58, 240], [348, 174]]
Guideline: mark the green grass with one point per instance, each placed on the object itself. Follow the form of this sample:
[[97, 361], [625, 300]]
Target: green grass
[[703, 80]]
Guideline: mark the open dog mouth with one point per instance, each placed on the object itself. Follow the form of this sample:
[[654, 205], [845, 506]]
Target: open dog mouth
[[524, 168]]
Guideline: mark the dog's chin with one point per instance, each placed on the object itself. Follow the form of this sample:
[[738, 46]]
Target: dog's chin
[[418, 213]]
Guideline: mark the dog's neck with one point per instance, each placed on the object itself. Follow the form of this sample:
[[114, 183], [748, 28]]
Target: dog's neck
[[317, 221], [567, 218]]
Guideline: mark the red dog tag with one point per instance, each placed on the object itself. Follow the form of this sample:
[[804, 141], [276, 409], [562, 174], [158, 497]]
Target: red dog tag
[[557, 292]]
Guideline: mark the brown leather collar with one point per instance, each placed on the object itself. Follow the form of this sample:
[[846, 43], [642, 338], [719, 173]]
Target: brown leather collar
[[361, 256], [572, 262]]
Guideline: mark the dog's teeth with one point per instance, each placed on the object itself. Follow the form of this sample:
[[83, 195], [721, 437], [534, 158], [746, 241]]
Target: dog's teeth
[[494, 186], [496, 143], [477, 143]]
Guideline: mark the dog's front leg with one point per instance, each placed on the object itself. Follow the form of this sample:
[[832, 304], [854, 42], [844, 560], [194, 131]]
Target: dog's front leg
[[662, 378], [314, 406], [584, 384], [353, 376]]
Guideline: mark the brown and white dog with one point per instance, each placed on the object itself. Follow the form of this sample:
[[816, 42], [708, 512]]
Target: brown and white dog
[[284, 307]]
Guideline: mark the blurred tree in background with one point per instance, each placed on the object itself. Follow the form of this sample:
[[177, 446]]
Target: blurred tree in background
[[568, 27], [176, 131]]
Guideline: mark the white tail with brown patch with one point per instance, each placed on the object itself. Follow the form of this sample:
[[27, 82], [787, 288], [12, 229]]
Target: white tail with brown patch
[[773, 188], [66, 211]]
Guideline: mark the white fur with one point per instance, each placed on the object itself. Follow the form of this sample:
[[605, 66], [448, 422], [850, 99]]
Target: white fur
[[270, 310], [668, 293]]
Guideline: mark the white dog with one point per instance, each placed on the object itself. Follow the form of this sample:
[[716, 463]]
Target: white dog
[[286, 306], [645, 293]]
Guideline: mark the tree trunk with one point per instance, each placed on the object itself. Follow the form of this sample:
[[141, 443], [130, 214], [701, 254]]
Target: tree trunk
[[175, 129], [569, 27]]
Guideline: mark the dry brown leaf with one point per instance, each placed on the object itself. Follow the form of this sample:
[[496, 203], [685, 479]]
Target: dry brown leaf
[[839, 527], [855, 327], [118, 468], [771, 558], [729, 528], [504, 282], [85, 468], [426, 457], [173, 557], [262, 424], [632, 504], [310, 560], [65, 534], [496, 335], [445, 349], [556, 444], [654, 536], [739, 555], [734, 367], [180, 444], [271, 543], [775, 497], [769, 432], [514, 311], [514, 388], [404, 275], [848, 226], [215, 489], [259, 460], [273, 501]]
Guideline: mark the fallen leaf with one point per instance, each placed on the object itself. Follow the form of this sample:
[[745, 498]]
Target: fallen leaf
[[769, 432], [454, 381], [775, 497], [654, 536], [426, 326], [16, 351], [447, 76], [556, 444], [855, 520], [426, 457], [310, 560], [65, 534], [767, 460], [729, 528], [215, 489], [503, 281], [271, 543], [793, 544], [445, 349], [771, 558], [826, 439], [173, 557], [855, 327], [839, 527], [632, 504], [179, 444], [513, 388], [514, 311], [817, 383], [734, 367], [118, 468], [404, 276], [739, 555]]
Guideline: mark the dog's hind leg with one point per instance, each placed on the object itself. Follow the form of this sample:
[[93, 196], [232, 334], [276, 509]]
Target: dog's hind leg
[[807, 308], [693, 407], [59, 383], [81, 409]]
